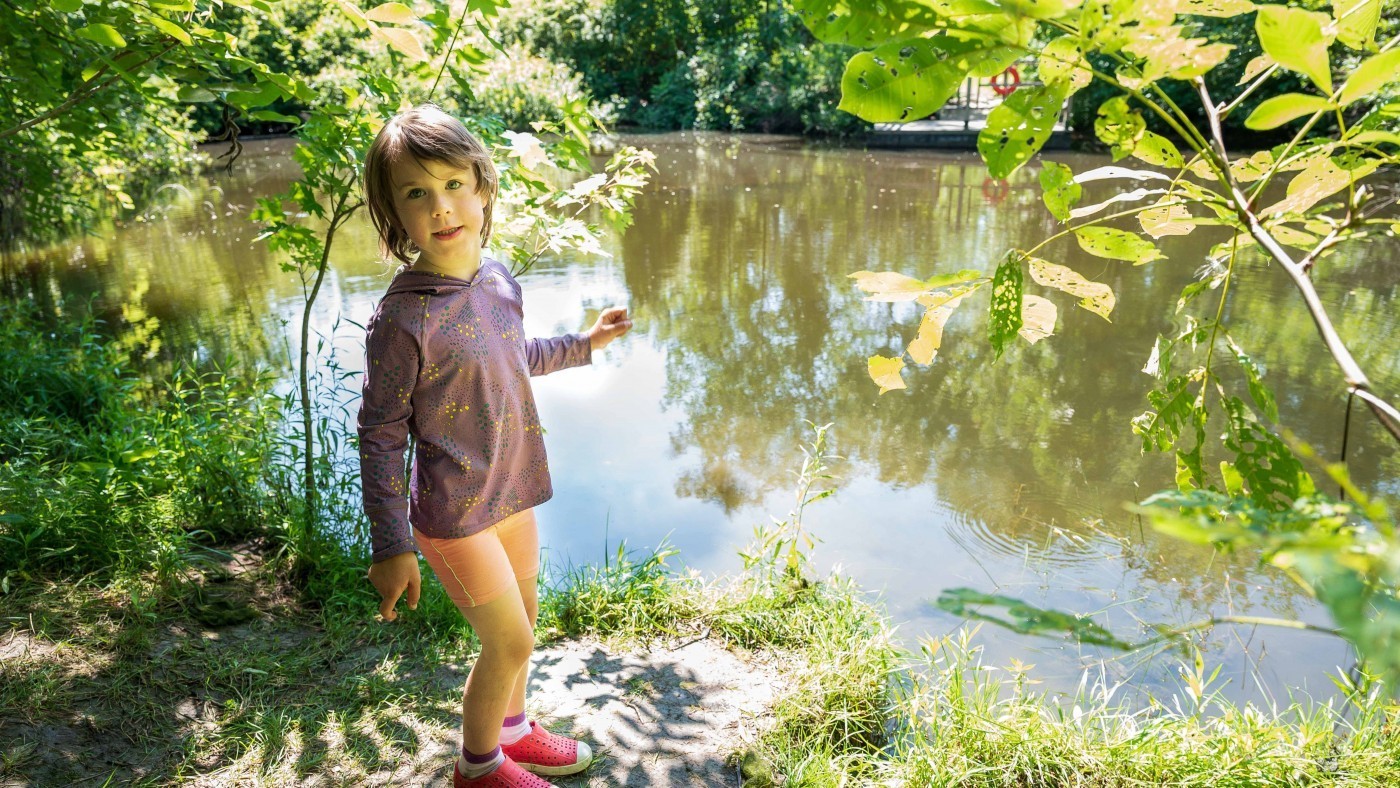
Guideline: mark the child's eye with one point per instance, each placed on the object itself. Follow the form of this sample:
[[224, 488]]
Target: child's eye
[[454, 185], [414, 193]]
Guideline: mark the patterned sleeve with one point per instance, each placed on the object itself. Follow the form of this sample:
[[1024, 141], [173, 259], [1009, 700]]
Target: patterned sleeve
[[556, 353], [391, 372]]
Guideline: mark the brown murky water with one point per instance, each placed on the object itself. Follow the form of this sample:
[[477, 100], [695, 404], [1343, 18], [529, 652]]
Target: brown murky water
[[1008, 477]]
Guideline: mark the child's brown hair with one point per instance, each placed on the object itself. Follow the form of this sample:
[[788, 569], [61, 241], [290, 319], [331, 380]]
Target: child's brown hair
[[427, 134]]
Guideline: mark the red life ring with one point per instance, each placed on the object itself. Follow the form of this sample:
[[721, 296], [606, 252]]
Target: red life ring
[[995, 190], [1013, 80]]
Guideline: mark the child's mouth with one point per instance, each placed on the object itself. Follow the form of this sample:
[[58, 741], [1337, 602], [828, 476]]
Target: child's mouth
[[444, 235]]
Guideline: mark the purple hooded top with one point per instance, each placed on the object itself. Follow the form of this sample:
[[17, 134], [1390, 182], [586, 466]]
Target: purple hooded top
[[446, 360]]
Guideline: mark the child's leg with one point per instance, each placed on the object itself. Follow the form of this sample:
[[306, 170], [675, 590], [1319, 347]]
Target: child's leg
[[507, 638], [529, 595]]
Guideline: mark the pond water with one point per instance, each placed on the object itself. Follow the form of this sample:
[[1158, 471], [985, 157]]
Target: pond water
[[1008, 477]]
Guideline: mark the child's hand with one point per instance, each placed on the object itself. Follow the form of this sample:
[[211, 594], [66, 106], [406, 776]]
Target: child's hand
[[612, 324], [391, 577]]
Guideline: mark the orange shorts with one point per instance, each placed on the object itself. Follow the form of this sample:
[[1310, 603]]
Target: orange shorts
[[478, 568]]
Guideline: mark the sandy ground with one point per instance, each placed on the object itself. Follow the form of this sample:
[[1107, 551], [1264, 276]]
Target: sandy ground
[[668, 717], [673, 715]]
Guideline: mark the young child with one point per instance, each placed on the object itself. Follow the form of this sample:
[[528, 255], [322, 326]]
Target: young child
[[448, 363]]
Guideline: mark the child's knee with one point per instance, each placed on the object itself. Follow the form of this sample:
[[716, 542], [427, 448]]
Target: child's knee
[[513, 645]]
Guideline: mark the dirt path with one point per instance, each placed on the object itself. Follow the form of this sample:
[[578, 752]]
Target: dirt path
[[668, 717]]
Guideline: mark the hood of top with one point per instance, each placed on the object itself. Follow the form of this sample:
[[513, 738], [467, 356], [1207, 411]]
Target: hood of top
[[411, 281]]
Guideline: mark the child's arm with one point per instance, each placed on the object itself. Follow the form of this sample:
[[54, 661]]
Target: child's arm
[[391, 374], [575, 350]]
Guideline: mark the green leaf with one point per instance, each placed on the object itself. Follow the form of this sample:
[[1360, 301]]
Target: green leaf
[[1004, 312], [885, 372], [1116, 244], [1153, 148], [1173, 408], [1370, 76], [1093, 296], [1272, 473], [1026, 618], [1278, 110], [1019, 127], [907, 80], [195, 94], [862, 24], [1356, 21], [1293, 37], [171, 29], [1255, 376], [276, 117], [1119, 126], [1060, 190], [102, 34], [67, 6]]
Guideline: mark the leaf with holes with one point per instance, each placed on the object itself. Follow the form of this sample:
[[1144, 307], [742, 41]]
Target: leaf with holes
[[1172, 409], [1168, 53], [1038, 317], [1153, 148], [1004, 312], [1093, 296], [1116, 245], [1059, 189], [1322, 178], [1062, 63], [885, 372], [907, 80], [1019, 127], [1119, 126], [1272, 473], [1167, 217], [1132, 196], [865, 25], [1258, 392], [1294, 38]]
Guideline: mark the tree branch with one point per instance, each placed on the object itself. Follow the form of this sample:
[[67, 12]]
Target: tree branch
[[1351, 371]]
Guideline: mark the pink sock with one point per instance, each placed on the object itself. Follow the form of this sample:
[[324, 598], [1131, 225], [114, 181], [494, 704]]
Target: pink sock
[[514, 728]]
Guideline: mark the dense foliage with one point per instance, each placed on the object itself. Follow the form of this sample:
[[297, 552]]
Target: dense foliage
[[679, 64], [1250, 489]]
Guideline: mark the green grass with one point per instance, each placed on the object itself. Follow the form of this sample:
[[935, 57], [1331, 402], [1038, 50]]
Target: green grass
[[170, 611]]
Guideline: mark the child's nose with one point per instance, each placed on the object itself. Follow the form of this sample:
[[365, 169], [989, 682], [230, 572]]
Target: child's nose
[[442, 206]]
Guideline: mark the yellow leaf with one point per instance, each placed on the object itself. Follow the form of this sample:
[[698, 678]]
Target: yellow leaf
[[885, 372], [392, 13], [889, 286], [1318, 181], [1252, 168], [1037, 318], [930, 337], [1254, 68], [353, 11], [1094, 296], [405, 41], [1160, 220]]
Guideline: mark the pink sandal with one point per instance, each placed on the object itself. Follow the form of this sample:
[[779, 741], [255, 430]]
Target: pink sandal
[[507, 775], [548, 753]]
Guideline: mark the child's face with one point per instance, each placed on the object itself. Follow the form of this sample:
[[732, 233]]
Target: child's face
[[439, 208]]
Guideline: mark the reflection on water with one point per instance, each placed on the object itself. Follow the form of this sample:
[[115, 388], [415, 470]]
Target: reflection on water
[[1008, 477]]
